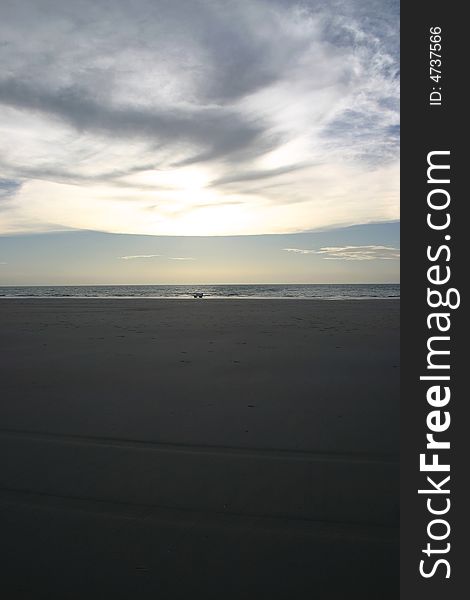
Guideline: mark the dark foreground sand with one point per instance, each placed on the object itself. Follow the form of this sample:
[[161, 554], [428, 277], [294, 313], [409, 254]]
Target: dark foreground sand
[[173, 449]]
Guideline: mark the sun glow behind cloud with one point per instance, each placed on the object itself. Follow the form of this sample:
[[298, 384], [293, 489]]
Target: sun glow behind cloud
[[197, 118]]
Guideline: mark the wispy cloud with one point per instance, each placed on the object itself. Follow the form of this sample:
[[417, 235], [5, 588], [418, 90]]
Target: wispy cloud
[[300, 251], [146, 256], [359, 252], [137, 256], [372, 252], [266, 117]]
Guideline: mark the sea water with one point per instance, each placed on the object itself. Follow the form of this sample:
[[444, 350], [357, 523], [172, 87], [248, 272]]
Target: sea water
[[319, 291]]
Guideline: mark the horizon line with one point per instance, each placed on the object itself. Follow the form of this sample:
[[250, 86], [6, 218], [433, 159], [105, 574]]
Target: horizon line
[[186, 284]]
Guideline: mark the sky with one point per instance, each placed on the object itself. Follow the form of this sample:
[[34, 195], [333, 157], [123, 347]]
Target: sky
[[173, 141]]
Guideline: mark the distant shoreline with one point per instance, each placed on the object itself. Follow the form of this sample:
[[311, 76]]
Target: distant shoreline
[[210, 292]]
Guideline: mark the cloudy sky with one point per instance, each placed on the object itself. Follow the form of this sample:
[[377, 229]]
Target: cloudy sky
[[247, 118]]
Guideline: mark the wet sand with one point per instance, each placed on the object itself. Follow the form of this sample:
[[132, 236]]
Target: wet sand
[[212, 448]]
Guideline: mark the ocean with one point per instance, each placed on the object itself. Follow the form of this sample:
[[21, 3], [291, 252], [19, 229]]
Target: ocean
[[319, 291]]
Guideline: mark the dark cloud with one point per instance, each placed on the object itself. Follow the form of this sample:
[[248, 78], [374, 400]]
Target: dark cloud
[[222, 130], [243, 176], [9, 187]]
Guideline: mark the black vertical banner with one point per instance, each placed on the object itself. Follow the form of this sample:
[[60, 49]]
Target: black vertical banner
[[434, 400]]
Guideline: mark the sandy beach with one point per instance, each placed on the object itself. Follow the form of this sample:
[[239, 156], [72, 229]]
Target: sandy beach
[[200, 448]]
